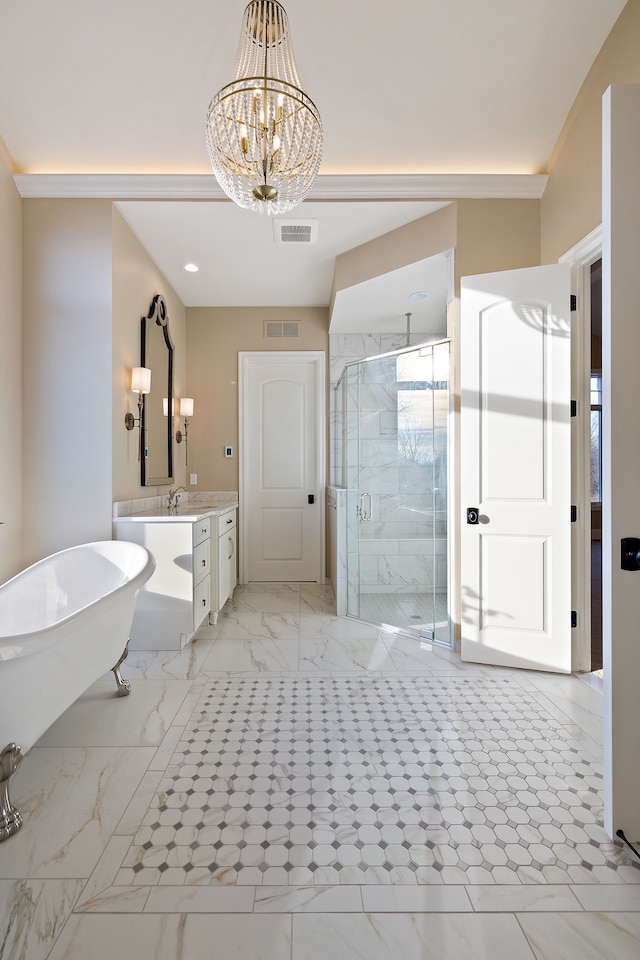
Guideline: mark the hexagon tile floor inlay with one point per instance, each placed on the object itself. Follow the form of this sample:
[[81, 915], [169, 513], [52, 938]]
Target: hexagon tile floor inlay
[[406, 780]]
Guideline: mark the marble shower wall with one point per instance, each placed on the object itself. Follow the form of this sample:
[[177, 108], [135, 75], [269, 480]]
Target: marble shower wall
[[346, 348], [403, 548]]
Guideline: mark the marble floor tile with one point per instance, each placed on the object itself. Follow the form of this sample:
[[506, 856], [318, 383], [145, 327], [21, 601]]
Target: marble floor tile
[[418, 899], [116, 900], [200, 900], [259, 627], [609, 897], [317, 598], [100, 718], [163, 754], [98, 891], [71, 800], [184, 664], [253, 655], [579, 702], [582, 936], [369, 779], [357, 654], [263, 598], [309, 899], [139, 803], [429, 936], [294, 771], [174, 937], [339, 628], [412, 655], [505, 898], [32, 914]]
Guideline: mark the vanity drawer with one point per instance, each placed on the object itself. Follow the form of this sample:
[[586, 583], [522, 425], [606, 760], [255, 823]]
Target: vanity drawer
[[226, 521], [201, 601], [201, 561], [201, 530]]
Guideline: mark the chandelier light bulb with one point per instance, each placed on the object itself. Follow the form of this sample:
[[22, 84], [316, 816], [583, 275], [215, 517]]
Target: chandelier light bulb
[[264, 134]]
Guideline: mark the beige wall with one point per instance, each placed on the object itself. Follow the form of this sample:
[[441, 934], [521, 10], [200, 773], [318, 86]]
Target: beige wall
[[496, 235], [215, 335], [572, 201], [11, 557], [67, 374], [87, 283], [432, 234], [136, 280]]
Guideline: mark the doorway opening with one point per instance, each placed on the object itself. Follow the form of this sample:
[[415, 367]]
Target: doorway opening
[[595, 461]]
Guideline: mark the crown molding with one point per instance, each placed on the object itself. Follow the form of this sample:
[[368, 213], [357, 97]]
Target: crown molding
[[348, 187]]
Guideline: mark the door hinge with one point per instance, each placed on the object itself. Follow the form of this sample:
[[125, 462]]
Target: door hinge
[[574, 302], [574, 513], [574, 618], [574, 408]]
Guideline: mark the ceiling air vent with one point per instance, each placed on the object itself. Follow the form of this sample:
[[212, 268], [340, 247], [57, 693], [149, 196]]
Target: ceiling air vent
[[298, 232], [275, 328]]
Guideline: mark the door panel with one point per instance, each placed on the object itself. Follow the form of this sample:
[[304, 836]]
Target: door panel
[[282, 450], [282, 408], [515, 467]]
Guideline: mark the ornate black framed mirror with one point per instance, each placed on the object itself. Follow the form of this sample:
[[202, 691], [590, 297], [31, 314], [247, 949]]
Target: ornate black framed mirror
[[157, 410]]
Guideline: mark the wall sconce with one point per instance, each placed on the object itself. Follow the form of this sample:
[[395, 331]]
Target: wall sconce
[[140, 384], [165, 406], [186, 411]]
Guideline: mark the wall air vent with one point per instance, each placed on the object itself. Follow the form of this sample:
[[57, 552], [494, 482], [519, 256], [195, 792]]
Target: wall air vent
[[295, 232], [277, 329]]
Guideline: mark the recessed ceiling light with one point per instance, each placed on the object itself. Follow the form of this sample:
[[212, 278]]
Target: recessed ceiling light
[[419, 295], [191, 267]]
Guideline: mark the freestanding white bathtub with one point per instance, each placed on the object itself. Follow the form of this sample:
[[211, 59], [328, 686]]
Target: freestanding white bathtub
[[64, 622]]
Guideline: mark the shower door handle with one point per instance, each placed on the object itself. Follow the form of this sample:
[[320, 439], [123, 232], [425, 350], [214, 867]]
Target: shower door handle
[[366, 514]]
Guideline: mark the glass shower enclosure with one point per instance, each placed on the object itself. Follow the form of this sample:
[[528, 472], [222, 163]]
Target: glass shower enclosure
[[392, 452]]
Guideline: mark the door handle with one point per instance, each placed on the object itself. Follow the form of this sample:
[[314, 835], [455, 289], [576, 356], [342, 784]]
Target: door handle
[[366, 514], [473, 515]]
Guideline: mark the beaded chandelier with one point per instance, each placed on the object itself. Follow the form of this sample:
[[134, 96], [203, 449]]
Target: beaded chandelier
[[264, 134]]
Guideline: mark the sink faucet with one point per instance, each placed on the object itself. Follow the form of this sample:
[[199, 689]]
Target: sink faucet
[[173, 498]]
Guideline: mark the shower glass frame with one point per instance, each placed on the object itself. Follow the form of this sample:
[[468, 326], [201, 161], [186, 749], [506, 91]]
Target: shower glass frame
[[392, 454]]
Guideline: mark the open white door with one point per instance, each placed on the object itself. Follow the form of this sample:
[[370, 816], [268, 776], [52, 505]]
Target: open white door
[[282, 477], [515, 468]]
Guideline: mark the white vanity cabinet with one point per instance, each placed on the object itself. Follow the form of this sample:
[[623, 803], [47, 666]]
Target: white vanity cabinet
[[177, 597], [226, 566], [195, 554]]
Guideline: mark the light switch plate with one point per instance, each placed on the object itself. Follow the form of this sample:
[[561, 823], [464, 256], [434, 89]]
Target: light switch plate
[[228, 451], [193, 479]]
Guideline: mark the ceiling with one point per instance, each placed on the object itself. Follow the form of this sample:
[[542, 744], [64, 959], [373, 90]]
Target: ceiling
[[420, 87]]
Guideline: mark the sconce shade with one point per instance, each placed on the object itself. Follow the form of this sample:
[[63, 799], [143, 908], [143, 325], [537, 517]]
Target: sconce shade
[[186, 407], [165, 406], [141, 380]]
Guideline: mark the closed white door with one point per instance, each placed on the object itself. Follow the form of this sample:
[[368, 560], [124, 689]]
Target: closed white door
[[515, 468], [282, 397]]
